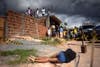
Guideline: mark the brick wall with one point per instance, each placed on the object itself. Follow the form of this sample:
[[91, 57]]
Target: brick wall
[[18, 24], [41, 27], [1, 29], [13, 23]]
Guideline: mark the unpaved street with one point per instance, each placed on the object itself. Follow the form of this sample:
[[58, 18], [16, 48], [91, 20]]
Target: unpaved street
[[82, 59]]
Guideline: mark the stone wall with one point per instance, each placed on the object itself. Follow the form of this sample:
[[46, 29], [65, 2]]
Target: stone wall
[[20, 24]]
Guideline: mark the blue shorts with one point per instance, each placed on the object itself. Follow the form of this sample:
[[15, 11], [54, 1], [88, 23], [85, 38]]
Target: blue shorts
[[66, 56], [61, 57]]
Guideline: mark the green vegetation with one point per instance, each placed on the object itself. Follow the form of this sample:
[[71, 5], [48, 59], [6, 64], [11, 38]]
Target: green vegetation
[[21, 55], [52, 41]]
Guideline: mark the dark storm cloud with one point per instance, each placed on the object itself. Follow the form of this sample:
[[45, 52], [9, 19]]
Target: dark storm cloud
[[2, 7], [86, 8], [83, 7]]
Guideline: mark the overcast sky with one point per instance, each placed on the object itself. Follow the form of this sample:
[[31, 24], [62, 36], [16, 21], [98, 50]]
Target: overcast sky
[[67, 10]]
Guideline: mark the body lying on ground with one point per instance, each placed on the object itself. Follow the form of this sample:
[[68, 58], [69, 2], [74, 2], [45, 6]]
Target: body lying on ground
[[62, 57]]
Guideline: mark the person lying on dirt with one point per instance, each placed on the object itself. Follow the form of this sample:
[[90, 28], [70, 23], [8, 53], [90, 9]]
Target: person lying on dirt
[[62, 57]]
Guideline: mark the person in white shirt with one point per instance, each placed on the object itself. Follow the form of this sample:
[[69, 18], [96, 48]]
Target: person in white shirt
[[49, 32], [43, 11]]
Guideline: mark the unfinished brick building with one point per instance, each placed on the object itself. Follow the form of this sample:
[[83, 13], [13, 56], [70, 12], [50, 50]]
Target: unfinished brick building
[[21, 24]]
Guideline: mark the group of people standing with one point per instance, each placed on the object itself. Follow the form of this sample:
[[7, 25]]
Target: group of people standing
[[37, 12], [59, 31], [73, 33], [55, 31]]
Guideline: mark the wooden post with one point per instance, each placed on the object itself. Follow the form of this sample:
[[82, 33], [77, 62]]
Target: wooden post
[[92, 49], [83, 47], [48, 22]]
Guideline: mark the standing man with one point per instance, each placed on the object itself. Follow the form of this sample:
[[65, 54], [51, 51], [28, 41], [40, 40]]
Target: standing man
[[49, 32], [61, 31], [29, 11], [75, 30]]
